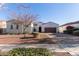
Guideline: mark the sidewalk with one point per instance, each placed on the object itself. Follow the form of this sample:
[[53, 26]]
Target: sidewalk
[[73, 49]]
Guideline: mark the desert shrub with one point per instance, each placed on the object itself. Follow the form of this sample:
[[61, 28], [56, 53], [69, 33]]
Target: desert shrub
[[75, 29], [29, 52], [68, 31], [76, 32]]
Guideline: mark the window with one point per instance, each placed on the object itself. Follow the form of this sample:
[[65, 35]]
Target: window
[[11, 26], [17, 26], [35, 24], [34, 30]]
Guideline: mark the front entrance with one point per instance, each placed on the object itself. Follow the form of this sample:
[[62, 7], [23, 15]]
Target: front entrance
[[40, 29]]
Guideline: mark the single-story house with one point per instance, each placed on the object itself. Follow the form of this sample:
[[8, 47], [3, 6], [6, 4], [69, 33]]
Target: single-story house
[[63, 27], [49, 27], [11, 27]]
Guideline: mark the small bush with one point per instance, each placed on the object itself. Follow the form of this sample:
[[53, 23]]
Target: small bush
[[29, 52], [68, 31], [75, 29], [76, 32]]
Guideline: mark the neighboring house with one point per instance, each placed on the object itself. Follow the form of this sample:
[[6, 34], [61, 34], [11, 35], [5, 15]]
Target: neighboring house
[[63, 27], [48, 27], [2, 27]]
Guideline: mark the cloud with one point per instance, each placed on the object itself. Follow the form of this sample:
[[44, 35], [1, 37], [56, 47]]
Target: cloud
[[2, 5]]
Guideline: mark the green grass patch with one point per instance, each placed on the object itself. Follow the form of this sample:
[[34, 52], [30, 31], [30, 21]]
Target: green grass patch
[[29, 52]]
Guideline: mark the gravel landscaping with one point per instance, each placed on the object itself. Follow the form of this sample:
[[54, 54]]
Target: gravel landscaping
[[60, 45]]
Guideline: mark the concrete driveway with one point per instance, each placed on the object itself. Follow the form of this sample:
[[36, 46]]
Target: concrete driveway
[[69, 43], [67, 39]]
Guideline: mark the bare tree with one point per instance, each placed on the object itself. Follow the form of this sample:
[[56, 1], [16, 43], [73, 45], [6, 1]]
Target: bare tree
[[23, 18]]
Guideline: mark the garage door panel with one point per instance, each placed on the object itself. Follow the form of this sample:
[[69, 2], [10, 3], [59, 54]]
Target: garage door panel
[[50, 30]]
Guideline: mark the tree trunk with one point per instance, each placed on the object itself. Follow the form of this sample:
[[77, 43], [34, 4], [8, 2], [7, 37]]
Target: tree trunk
[[24, 33]]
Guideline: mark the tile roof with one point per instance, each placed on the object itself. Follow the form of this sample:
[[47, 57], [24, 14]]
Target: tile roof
[[70, 23]]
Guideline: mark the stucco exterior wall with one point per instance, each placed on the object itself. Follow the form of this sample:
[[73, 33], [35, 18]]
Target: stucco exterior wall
[[14, 30], [61, 29], [19, 30], [52, 25], [44, 25], [30, 28], [38, 24], [3, 26]]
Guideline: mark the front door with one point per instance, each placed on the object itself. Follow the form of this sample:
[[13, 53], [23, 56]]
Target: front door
[[1, 31], [40, 29]]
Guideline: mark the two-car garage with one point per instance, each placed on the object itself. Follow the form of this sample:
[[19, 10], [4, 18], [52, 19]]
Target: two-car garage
[[50, 30], [50, 27]]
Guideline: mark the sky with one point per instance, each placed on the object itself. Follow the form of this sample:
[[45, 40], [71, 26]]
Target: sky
[[60, 13]]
